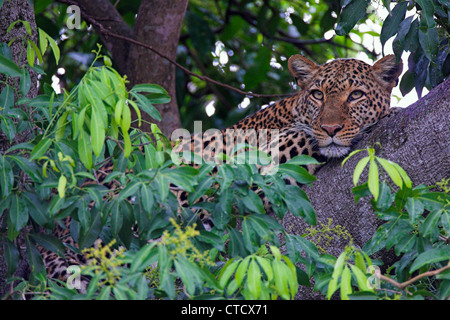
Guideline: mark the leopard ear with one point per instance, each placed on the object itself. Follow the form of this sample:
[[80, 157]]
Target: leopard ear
[[302, 69], [387, 71]]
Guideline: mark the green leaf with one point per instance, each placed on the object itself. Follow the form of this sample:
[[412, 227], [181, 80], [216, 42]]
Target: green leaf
[[298, 204], [338, 269], [29, 167], [97, 132], [62, 186], [373, 181], [18, 213], [302, 160], [350, 15], [25, 82], [143, 258], [254, 203], [6, 177], [346, 285], [406, 179], [85, 149], [298, 173], [9, 68], [361, 278], [183, 177], [11, 256], [359, 169], [427, 13], [129, 191], [146, 106], [163, 186], [415, 208], [6, 98], [41, 148], [116, 219], [391, 170], [34, 258], [36, 50], [31, 55], [241, 271], [429, 41], [267, 268], [392, 23], [200, 189], [227, 272], [254, 279], [8, 127], [280, 277], [430, 223], [49, 242], [431, 256], [61, 126], [146, 198]]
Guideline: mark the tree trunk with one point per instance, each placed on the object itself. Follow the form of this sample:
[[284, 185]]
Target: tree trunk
[[11, 11], [417, 138], [158, 24]]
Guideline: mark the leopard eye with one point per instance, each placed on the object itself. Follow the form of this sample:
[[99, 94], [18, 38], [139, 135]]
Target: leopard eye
[[355, 95], [317, 94]]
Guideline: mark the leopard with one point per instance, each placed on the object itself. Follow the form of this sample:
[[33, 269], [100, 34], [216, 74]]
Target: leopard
[[337, 102]]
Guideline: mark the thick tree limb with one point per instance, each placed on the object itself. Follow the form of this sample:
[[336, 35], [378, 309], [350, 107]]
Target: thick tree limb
[[104, 11], [417, 138]]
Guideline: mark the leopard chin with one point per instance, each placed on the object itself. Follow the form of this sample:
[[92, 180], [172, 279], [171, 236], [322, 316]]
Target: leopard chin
[[334, 151]]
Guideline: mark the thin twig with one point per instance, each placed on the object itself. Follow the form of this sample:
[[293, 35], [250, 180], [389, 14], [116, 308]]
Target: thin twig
[[405, 284], [105, 31]]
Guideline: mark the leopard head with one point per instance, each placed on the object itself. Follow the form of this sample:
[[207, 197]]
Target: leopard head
[[341, 99]]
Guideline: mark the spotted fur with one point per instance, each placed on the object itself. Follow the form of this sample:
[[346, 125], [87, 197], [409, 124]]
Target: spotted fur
[[338, 101]]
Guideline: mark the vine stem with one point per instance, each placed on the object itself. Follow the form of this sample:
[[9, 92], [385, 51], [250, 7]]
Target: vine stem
[[405, 284]]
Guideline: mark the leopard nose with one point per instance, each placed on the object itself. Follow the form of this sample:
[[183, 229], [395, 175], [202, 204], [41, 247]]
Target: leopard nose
[[332, 130]]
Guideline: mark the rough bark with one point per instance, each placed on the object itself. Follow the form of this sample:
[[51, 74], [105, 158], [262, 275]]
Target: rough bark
[[104, 12], [11, 11], [158, 24], [417, 138]]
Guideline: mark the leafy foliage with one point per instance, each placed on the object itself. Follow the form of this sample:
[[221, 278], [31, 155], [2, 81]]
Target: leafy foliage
[[247, 254]]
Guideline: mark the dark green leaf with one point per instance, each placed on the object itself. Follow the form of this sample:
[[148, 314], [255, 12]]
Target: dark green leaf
[[8, 127], [89, 236], [34, 258], [18, 213], [6, 98], [429, 41], [38, 209], [116, 218], [6, 177], [146, 106], [415, 208], [298, 173], [253, 202], [392, 23], [49, 242], [427, 13], [9, 68], [431, 256], [11, 256], [430, 223], [350, 15], [129, 191], [40, 149]]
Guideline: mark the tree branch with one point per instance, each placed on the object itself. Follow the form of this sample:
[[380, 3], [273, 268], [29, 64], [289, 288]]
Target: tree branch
[[416, 138], [101, 28], [112, 21], [405, 284]]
